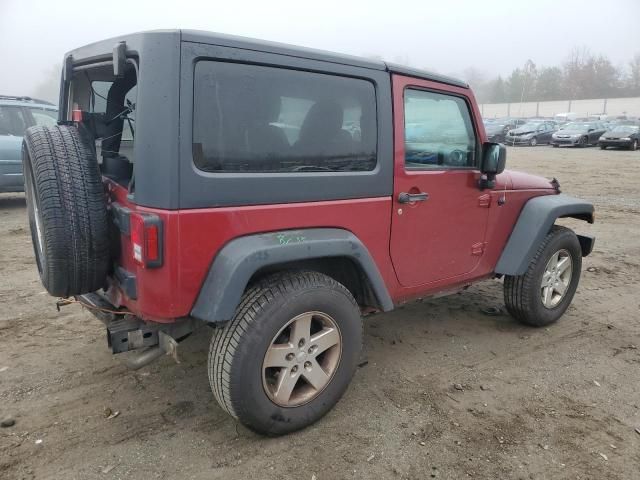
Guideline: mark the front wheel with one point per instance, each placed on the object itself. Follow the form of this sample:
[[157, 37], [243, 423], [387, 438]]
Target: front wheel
[[289, 353], [543, 293], [603, 147], [584, 141], [634, 145], [533, 142]]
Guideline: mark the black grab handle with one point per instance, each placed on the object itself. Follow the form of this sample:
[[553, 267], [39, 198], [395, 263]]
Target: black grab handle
[[412, 197]]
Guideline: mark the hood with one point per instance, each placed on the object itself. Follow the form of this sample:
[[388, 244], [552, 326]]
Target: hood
[[10, 147], [625, 134], [526, 181]]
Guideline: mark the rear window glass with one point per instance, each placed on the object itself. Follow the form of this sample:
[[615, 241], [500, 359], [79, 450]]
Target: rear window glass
[[98, 104], [257, 119]]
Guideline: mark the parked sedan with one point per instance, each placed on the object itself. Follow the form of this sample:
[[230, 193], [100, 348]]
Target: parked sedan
[[627, 136], [16, 115], [578, 134], [497, 128], [531, 133]]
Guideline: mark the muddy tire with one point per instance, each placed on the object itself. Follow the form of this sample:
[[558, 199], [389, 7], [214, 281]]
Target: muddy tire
[[289, 353], [543, 293], [66, 209]]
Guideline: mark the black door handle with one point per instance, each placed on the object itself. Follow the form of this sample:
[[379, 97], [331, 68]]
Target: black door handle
[[404, 197]]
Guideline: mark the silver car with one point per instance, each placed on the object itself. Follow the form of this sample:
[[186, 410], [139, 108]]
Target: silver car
[[16, 115]]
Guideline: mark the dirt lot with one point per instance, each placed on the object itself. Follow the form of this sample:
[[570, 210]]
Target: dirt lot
[[559, 402]]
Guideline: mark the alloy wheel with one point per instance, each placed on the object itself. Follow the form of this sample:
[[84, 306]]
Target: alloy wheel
[[556, 278], [301, 359]]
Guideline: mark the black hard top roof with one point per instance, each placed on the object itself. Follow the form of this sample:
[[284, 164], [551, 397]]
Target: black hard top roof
[[211, 38], [199, 36]]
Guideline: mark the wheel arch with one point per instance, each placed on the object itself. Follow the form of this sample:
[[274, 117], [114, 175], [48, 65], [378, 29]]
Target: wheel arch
[[335, 252], [536, 219]]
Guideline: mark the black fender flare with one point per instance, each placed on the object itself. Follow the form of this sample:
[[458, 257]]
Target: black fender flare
[[536, 219], [235, 264]]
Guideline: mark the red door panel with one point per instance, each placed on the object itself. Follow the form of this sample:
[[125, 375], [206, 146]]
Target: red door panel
[[443, 236]]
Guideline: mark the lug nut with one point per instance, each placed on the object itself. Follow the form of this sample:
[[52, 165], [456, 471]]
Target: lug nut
[[313, 348], [290, 356], [294, 369], [301, 343], [307, 365]]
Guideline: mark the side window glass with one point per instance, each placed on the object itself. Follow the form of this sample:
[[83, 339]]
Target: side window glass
[[256, 119], [12, 121], [438, 131], [48, 118]]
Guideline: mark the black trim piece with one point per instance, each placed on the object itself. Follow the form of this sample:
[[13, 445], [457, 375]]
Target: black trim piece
[[238, 260], [536, 219], [127, 281], [586, 244], [121, 217], [423, 74]]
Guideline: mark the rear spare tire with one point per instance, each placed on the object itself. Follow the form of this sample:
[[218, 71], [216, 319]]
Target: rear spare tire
[[66, 208]]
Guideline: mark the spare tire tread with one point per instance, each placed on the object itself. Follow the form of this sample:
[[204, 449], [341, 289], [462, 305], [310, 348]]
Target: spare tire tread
[[71, 201]]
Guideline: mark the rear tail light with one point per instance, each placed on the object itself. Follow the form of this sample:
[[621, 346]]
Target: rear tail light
[[146, 240]]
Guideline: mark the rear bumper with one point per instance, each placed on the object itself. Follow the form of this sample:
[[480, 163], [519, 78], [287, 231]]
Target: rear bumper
[[127, 332]]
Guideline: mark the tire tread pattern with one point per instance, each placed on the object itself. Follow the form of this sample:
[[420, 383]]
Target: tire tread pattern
[[70, 197], [518, 289], [226, 340]]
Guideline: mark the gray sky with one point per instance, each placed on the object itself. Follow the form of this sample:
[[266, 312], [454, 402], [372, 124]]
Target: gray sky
[[449, 36]]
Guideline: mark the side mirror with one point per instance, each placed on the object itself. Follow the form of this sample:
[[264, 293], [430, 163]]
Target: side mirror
[[592, 129], [494, 159]]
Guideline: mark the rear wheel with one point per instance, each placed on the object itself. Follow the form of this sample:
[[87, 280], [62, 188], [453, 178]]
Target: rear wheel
[[603, 147], [533, 142], [289, 353], [584, 141], [543, 293], [634, 145]]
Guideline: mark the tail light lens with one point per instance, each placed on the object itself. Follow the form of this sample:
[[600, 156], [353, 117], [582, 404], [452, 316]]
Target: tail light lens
[[146, 240]]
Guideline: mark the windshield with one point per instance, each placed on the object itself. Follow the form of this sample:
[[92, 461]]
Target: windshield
[[626, 129], [578, 126]]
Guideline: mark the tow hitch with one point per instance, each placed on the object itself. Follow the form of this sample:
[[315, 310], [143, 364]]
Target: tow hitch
[[126, 332]]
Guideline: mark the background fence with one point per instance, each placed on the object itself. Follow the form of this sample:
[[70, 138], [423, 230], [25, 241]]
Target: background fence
[[610, 106]]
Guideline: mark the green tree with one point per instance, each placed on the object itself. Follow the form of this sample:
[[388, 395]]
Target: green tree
[[550, 84]]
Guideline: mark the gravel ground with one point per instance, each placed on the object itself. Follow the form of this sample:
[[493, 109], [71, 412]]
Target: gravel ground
[[448, 392]]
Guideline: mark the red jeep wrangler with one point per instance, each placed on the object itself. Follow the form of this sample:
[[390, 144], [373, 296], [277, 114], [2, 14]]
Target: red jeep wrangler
[[276, 194]]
